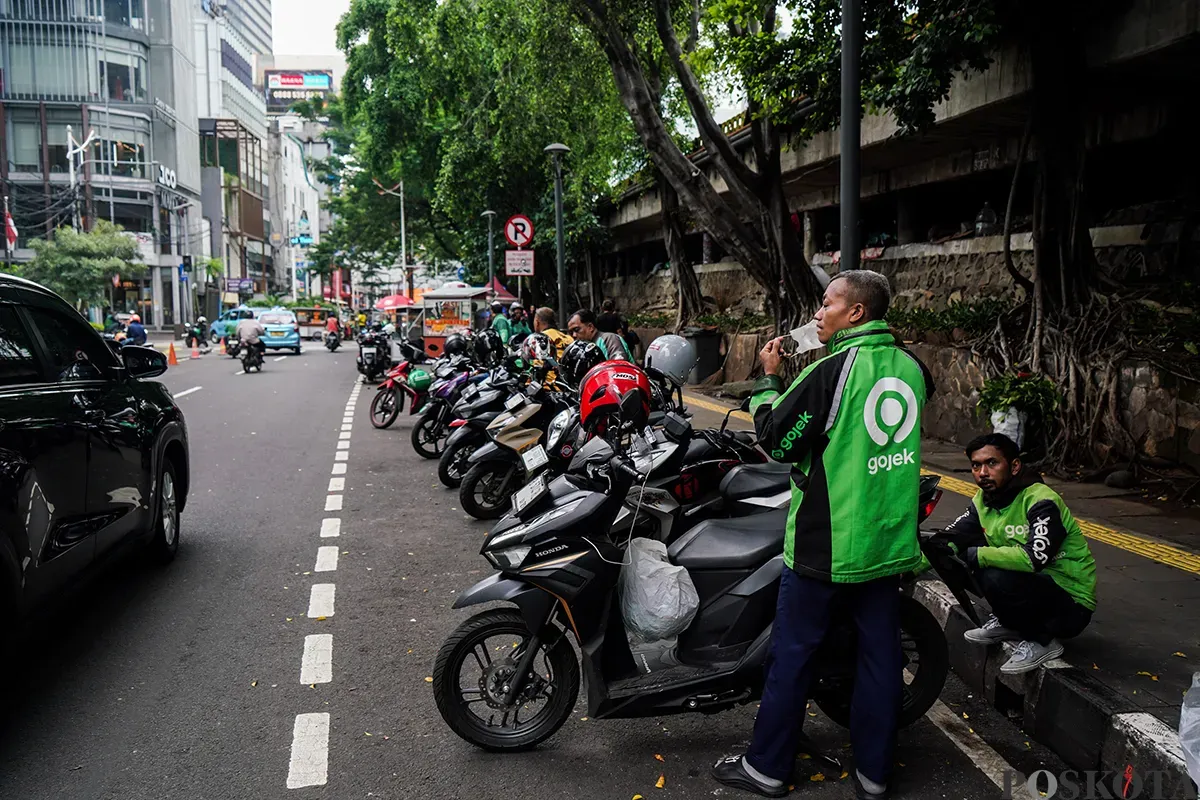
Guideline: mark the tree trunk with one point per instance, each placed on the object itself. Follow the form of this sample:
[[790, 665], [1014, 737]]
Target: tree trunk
[[1063, 244], [687, 283], [757, 238]]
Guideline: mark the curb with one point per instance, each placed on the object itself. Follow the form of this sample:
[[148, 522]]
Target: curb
[[1087, 724]]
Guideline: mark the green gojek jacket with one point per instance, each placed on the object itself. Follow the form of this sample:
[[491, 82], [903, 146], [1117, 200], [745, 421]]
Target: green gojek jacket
[[1027, 527], [502, 326], [851, 425]]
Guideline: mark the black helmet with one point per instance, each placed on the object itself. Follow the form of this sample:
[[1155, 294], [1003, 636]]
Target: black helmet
[[577, 359], [489, 347], [456, 345]]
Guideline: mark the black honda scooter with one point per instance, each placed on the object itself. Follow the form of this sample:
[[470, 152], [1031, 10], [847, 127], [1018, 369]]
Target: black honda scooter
[[559, 568], [478, 406]]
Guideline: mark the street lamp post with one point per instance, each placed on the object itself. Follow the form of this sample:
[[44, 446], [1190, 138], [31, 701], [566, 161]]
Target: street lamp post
[[557, 151], [491, 216]]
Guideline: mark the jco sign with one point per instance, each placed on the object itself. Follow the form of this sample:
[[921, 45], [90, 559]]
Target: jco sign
[[166, 177]]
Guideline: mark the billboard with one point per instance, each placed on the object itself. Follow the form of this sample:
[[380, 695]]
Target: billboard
[[285, 87]]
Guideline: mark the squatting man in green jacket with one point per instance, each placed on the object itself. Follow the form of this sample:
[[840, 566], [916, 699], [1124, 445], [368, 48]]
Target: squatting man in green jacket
[[851, 426], [1027, 554]]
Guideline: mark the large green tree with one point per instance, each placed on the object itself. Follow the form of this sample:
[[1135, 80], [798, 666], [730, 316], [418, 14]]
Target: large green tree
[[80, 266], [459, 98]]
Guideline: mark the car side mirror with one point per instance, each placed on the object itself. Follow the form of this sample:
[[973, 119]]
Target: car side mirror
[[115, 346], [143, 362]]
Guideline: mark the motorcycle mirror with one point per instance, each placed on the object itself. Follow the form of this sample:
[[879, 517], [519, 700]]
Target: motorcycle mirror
[[745, 405]]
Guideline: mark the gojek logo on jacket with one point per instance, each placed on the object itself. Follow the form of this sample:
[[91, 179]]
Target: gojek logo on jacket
[[891, 406], [785, 444]]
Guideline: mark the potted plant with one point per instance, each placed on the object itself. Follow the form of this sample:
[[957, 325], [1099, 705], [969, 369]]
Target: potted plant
[[1013, 400]]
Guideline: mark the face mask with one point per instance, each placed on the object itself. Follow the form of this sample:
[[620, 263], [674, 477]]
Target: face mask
[[806, 337]]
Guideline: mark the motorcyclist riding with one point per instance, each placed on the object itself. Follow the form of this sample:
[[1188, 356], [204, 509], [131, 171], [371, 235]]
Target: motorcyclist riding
[[250, 331]]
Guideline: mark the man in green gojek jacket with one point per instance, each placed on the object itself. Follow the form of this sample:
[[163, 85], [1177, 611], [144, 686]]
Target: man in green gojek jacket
[[851, 425], [1027, 554]]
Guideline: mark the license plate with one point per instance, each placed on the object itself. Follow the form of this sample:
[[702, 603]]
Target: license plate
[[514, 401], [470, 393], [368, 351], [277, 333], [535, 458], [530, 493]]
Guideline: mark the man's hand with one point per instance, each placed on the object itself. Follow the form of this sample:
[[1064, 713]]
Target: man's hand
[[771, 356]]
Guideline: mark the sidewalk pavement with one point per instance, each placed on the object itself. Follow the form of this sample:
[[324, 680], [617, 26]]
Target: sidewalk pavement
[[1114, 699]]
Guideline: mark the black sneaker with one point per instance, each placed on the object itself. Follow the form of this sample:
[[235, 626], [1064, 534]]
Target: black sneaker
[[731, 772]]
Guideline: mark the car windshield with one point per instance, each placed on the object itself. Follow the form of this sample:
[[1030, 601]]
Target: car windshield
[[276, 319]]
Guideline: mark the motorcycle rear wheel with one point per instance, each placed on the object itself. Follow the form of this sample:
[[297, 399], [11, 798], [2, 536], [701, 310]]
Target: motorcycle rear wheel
[[453, 464], [479, 494], [385, 408], [428, 439], [556, 683], [924, 644]]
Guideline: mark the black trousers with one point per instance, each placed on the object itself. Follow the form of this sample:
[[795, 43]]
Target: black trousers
[[1032, 604]]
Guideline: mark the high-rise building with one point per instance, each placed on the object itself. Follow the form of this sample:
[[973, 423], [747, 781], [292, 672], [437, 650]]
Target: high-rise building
[[252, 19], [121, 73]]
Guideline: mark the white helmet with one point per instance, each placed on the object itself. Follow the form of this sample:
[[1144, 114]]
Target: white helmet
[[389, 329], [673, 356]]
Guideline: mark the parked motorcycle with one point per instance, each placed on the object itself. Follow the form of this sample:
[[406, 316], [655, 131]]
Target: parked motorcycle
[[480, 404], [431, 431], [374, 354], [408, 378], [558, 572]]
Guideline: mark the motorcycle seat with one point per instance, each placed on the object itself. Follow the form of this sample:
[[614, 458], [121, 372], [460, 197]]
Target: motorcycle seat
[[741, 543], [756, 480]]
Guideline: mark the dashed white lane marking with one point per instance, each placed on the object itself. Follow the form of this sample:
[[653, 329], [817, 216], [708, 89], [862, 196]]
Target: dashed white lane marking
[[310, 751], [327, 558], [343, 445], [320, 602], [337, 484], [330, 527], [316, 666], [333, 502], [243, 372], [987, 760], [341, 456], [344, 435], [339, 468], [186, 392], [347, 426], [281, 358]]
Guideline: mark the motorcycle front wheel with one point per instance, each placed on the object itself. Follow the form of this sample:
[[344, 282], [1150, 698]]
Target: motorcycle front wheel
[[477, 662], [926, 665], [428, 435], [481, 494], [385, 408], [455, 462]]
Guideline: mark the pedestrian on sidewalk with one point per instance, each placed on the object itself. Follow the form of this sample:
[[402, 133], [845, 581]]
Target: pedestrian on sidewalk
[[851, 530], [1027, 554]]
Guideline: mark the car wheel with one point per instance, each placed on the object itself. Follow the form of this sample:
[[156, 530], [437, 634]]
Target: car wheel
[[165, 542], [297, 349]]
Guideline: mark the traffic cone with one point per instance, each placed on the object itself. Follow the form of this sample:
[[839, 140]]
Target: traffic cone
[[172, 361], [195, 349], [222, 350]]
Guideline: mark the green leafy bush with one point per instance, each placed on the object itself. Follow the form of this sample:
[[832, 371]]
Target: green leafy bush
[[651, 320], [976, 318], [1036, 395]]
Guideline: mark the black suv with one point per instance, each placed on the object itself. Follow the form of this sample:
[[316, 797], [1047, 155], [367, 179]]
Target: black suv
[[91, 457]]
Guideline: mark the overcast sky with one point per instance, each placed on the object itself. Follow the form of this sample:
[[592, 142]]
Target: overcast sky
[[305, 27]]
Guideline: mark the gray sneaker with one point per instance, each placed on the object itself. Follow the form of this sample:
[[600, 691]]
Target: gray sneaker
[[991, 632], [1031, 655]]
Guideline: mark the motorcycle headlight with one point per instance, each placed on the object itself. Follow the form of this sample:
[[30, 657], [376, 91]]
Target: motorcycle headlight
[[509, 558], [558, 426]]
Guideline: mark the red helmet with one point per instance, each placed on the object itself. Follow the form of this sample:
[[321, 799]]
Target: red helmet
[[603, 388]]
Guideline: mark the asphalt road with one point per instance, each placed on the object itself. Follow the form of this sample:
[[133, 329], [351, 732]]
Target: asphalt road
[[185, 682]]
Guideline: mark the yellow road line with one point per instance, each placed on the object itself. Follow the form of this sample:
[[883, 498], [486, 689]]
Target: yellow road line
[[1146, 548]]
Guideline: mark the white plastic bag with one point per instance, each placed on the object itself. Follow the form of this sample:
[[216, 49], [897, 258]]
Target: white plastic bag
[[658, 599], [1011, 423], [1189, 728]]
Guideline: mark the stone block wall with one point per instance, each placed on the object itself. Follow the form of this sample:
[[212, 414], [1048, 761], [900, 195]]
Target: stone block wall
[[958, 377], [1161, 412], [726, 283]]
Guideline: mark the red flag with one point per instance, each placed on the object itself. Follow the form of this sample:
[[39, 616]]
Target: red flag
[[10, 230]]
